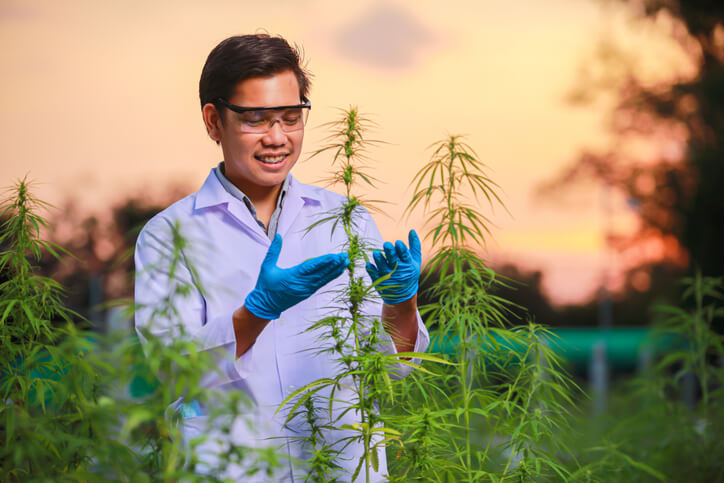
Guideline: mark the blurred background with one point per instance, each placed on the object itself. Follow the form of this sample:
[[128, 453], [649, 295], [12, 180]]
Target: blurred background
[[602, 121]]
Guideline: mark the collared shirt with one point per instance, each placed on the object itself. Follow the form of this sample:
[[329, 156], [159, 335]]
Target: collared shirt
[[271, 230], [225, 246]]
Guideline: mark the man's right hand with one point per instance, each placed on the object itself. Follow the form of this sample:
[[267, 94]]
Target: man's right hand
[[277, 289]]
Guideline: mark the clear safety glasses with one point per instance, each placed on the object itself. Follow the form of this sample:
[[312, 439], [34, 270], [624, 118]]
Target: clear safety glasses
[[259, 120]]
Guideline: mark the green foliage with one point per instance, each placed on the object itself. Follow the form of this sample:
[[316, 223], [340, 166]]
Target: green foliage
[[46, 395], [353, 336], [65, 410], [510, 415], [500, 408], [651, 432], [518, 393], [439, 190], [704, 345]]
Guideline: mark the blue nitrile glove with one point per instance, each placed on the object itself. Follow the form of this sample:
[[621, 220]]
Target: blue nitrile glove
[[404, 266], [277, 289]]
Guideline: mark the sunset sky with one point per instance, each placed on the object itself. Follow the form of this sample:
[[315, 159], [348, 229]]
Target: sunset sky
[[100, 101]]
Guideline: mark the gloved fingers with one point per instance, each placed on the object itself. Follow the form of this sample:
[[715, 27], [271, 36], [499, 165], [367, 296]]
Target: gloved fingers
[[372, 271], [415, 246], [402, 252], [332, 270], [323, 264], [272, 254], [391, 255], [380, 262], [345, 261]]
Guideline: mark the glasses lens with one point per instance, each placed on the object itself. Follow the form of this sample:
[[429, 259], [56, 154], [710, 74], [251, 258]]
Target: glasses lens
[[254, 121], [290, 119]]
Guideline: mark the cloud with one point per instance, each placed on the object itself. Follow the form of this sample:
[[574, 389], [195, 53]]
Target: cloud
[[16, 12], [386, 37]]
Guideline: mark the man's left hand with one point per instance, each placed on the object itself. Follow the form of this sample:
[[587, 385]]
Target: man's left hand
[[403, 267]]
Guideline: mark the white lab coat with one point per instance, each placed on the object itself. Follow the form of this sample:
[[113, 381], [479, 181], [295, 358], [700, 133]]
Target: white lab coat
[[226, 247]]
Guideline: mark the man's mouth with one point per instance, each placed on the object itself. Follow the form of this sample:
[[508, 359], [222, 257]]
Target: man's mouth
[[269, 159]]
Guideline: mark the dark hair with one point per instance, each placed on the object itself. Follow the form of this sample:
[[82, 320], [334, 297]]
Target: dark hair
[[245, 56]]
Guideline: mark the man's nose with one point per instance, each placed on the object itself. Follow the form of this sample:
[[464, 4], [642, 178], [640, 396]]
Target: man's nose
[[275, 136]]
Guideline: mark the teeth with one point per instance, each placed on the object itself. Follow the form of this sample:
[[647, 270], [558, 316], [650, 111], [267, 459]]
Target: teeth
[[271, 159]]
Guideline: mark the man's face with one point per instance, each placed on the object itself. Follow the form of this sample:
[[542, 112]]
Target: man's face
[[257, 161]]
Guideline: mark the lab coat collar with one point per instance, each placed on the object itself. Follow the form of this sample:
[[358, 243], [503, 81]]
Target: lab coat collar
[[298, 195], [213, 194]]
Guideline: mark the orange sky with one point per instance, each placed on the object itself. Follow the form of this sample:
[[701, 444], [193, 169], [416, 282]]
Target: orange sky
[[99, 100]]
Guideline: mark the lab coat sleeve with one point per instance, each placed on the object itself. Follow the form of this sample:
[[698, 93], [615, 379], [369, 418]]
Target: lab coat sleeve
[[373, 308], [170, 304]]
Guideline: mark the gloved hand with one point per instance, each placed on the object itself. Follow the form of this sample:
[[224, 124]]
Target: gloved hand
[[404, 266], [277, 289]]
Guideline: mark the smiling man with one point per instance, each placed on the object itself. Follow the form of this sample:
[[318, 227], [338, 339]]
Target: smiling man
[[248, 246]]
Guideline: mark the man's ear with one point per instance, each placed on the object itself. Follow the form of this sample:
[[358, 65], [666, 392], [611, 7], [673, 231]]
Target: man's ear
[[213, 122]]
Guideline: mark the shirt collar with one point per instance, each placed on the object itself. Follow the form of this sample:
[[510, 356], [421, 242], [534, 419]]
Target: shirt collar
[[238, 194], [212, 193]]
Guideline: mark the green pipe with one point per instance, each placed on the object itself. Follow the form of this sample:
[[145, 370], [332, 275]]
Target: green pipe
[[625, 347]]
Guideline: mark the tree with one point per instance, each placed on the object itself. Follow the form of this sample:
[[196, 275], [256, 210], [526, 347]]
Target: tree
[[677, 195], [102, 247]]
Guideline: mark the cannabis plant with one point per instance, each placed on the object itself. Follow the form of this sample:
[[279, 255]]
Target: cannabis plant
[[654, 429], [66, 413], [49, 387], [506, 381], [703, 354], [178, 367], [351, 334]]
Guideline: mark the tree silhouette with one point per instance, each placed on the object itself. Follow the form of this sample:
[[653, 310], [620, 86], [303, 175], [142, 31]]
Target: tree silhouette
[[101, 268], [677, 195]]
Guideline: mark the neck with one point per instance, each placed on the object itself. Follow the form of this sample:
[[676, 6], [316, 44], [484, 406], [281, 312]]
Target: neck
[[264, 198]]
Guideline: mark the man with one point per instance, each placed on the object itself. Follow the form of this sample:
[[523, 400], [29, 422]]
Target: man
[[249, 219]]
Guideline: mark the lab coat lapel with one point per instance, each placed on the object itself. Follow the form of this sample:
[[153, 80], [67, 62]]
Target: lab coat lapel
[[241, 214], [298, 196], [213, 195], [293, 204]]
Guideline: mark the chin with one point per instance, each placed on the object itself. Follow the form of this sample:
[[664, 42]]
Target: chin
[[276, 179]]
